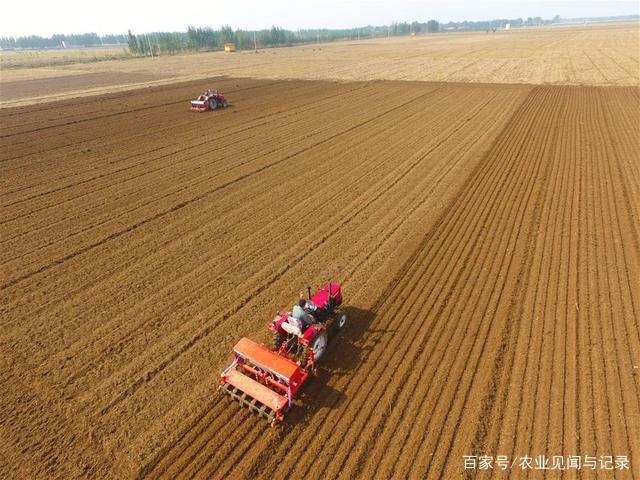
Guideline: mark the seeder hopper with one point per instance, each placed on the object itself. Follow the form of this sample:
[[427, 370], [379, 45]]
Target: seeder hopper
[[267, 380]]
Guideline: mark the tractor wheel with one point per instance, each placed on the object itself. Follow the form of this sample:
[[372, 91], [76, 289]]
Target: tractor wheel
[[277, 340], [341, 322], [213, 104], [319, 345], [225, 104]]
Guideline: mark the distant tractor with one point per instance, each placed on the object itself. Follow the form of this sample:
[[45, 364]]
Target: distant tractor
[[209, 100], [229, 47]]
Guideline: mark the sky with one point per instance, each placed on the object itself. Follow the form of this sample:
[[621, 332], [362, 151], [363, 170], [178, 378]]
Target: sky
[[46, 17]]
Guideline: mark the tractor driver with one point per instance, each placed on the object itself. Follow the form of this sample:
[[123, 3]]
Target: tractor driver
[[301, 315]]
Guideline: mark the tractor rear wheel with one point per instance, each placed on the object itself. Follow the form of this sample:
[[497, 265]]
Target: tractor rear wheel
[[319, 345], [213, 104]]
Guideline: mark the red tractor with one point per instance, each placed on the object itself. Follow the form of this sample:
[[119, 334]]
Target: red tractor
[[266, 380], [209, 100]]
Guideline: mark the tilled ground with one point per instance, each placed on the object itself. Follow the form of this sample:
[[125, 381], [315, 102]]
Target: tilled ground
[[39, 90], [486, 236], [605, 54]]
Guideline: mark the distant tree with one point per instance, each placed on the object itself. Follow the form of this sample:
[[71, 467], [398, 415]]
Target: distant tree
[[263, 38], [60, 40], [433, 26], [7, 42], [278, 36], [243, 40], [203, 38], [132, 42], [227, 35], [193, 37], [170, 42], [113, 39]]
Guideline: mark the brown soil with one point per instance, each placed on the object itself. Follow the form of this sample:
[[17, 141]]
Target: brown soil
[[487, 238], [594, 54], [41, 88]]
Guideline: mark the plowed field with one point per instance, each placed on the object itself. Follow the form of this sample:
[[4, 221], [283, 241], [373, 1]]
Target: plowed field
[[592, 54], [487, 238]]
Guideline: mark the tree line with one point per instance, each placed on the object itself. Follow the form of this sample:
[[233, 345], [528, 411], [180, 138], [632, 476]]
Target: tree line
[[499, 23], [197, 38], [207, 38], [61, 41]]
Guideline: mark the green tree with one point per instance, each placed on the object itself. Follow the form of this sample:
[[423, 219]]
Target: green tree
[[132, 42], [227, 35], [278, 36]]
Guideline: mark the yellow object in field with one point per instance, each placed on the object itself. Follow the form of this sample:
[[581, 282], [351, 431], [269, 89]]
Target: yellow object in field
[[229, 47]]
